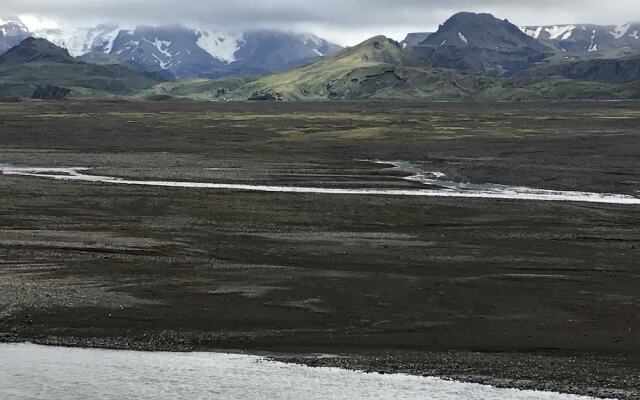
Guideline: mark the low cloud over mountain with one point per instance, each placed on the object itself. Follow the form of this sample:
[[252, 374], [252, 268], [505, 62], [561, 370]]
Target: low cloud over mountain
[[351, 20]]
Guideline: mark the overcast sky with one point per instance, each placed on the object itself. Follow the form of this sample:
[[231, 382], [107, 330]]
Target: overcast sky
[[344, 21]]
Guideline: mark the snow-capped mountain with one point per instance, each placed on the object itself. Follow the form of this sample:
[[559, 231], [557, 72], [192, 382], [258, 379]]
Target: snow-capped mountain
[[12, 32], [272, 51], [81, 41], [186, 52], [177, 51], [587, 38], [171, 50]]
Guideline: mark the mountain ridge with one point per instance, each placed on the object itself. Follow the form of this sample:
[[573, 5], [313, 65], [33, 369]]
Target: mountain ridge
[[37, 62], [380, 69], [589, 38], [470, 57], [183, 51]]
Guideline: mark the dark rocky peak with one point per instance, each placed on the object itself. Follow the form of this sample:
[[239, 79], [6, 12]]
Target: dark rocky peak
[[36, 50]]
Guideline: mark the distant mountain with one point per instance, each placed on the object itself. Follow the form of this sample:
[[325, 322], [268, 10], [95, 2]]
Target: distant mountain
[[471, 56], [33, 50], [263, 52], [12, 32], [354, 73], [587, 38], [171, 50], [38, 62], [375, 69], [82, 40], [380, 68], [482, 43], [183, 52]]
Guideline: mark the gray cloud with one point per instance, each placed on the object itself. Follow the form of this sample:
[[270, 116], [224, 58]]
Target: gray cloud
[[345, 20]]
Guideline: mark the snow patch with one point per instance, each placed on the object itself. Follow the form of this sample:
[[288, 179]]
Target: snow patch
[[560, 32], [161, 63], [108, 39], [161, 45], [220, 46], [594, 46], [533, 31], [620, 31], [555, 32], [537, 32], [463, 38]]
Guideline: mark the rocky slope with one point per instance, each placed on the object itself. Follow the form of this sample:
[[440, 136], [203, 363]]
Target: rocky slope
[[481, 43], [415, 38]]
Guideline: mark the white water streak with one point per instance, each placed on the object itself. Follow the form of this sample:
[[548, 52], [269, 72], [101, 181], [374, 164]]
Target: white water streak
[[441, 188]]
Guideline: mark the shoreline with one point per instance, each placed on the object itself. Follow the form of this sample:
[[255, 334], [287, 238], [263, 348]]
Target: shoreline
[[527, 370]]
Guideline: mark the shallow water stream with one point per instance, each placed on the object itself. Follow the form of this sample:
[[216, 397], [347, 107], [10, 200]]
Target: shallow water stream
[[34, 372], [437, 187]]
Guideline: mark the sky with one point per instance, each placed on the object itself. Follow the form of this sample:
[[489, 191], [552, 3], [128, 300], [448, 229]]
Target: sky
[[346, 22]]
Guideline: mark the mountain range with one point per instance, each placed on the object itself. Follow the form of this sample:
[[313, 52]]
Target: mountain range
[[470, 57], [379, 69], [586, 38], [177, 51], [569, 42]]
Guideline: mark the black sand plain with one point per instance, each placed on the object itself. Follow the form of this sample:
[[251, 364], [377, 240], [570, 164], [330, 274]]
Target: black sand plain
[[527, 294]]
